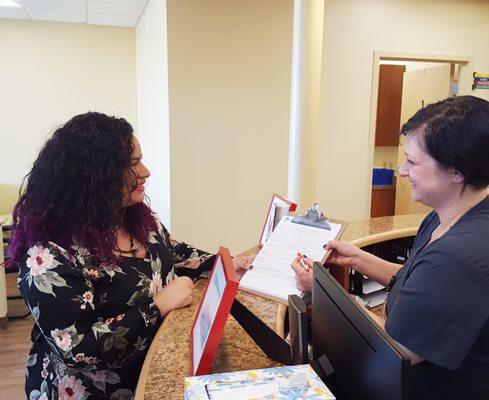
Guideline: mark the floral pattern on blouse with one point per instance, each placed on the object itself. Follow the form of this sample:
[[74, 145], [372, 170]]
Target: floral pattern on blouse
[[95, 321]]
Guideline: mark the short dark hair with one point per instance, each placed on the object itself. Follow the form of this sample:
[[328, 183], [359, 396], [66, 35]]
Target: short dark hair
[[456, 134], [74, 192]]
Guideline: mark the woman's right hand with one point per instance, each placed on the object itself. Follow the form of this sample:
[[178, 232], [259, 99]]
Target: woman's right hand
[[177, 294], [344, 254]]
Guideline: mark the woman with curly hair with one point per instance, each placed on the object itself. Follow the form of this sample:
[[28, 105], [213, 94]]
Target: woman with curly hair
[[96, 268]]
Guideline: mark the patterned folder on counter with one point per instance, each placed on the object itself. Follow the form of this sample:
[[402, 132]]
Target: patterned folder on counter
[[281, 383]]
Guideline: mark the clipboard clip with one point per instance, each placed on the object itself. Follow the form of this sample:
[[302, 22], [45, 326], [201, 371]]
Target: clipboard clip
[[313, 217]]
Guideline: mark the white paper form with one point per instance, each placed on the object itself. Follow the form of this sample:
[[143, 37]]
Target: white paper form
[[272, 275]]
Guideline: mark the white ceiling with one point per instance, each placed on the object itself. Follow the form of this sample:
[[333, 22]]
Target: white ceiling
[[96, 12]]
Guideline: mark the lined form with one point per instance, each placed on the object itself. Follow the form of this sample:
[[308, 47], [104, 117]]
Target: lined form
[[272, 275]]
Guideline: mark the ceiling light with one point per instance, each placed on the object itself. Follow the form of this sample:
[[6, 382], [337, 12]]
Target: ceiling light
[[10, 3]]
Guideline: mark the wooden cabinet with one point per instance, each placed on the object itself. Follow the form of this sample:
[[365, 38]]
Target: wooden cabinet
[[383, 201], [389, 105]]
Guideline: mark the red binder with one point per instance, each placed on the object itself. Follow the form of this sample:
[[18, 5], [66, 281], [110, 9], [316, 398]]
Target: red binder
[[270, 221], [212, 314]]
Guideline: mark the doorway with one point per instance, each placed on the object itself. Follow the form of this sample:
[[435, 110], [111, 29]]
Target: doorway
[[402, 84]]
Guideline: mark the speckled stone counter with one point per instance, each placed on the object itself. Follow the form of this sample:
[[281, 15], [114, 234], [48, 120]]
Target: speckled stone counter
[[376, 230], [169, 353], [167, 362]]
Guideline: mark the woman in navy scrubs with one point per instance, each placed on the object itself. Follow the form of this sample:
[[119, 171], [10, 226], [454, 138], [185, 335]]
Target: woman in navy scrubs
[[438, 305]]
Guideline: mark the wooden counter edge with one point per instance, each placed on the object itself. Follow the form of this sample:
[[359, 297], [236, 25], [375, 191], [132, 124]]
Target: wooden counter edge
[[384, 236]]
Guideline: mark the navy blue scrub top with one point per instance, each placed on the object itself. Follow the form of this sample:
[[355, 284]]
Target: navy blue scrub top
[[439, 308]]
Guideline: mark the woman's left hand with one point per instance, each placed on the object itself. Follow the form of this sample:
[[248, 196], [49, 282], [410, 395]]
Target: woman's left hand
[[242, 264]]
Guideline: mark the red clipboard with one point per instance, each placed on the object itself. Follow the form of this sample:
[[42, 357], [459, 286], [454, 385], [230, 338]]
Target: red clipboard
[[292, 208], [212, 313]]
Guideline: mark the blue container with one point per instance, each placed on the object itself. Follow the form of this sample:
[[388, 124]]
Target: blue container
[[382, 176]]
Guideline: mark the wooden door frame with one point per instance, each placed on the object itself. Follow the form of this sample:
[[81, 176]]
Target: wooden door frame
[[465, 87]]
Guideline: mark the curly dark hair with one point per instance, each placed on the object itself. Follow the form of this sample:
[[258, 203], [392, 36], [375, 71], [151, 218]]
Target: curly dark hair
[[75, 190]]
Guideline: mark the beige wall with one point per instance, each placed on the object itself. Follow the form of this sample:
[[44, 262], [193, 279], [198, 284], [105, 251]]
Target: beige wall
[[385, 157], [229, 97], [229, 94], [50, 72], [152, 82], [353, 30]]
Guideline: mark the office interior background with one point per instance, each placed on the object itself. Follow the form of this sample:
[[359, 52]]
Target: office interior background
[[206, 85]]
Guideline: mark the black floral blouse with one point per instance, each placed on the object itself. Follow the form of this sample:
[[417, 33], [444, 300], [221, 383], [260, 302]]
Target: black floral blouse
[[94, 321]]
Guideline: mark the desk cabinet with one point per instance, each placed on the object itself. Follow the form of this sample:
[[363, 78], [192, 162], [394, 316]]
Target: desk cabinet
[[383, 201]]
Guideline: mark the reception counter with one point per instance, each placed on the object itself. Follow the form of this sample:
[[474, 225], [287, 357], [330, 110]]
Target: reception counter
[[167, 361]]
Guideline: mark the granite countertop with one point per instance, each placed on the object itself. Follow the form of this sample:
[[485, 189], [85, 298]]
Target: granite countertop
[[168, 358], [359, 229], [237, 351]]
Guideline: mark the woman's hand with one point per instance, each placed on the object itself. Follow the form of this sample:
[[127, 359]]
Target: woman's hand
[[242, 264], [347, 255], [343, 254], [177, 294], [303, 273]]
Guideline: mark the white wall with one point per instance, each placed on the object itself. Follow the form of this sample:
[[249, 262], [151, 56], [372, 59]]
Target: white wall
[[152, 88], [50, 72], [229, 94], [353, 30]]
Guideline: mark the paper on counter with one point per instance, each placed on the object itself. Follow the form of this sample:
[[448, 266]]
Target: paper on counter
[[272, 275]]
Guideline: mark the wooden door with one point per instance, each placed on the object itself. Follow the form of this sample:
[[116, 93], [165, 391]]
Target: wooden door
[[389, 105], [420, 87]]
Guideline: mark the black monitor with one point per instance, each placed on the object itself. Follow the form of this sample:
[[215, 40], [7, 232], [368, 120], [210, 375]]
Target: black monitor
[[367, 364]]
